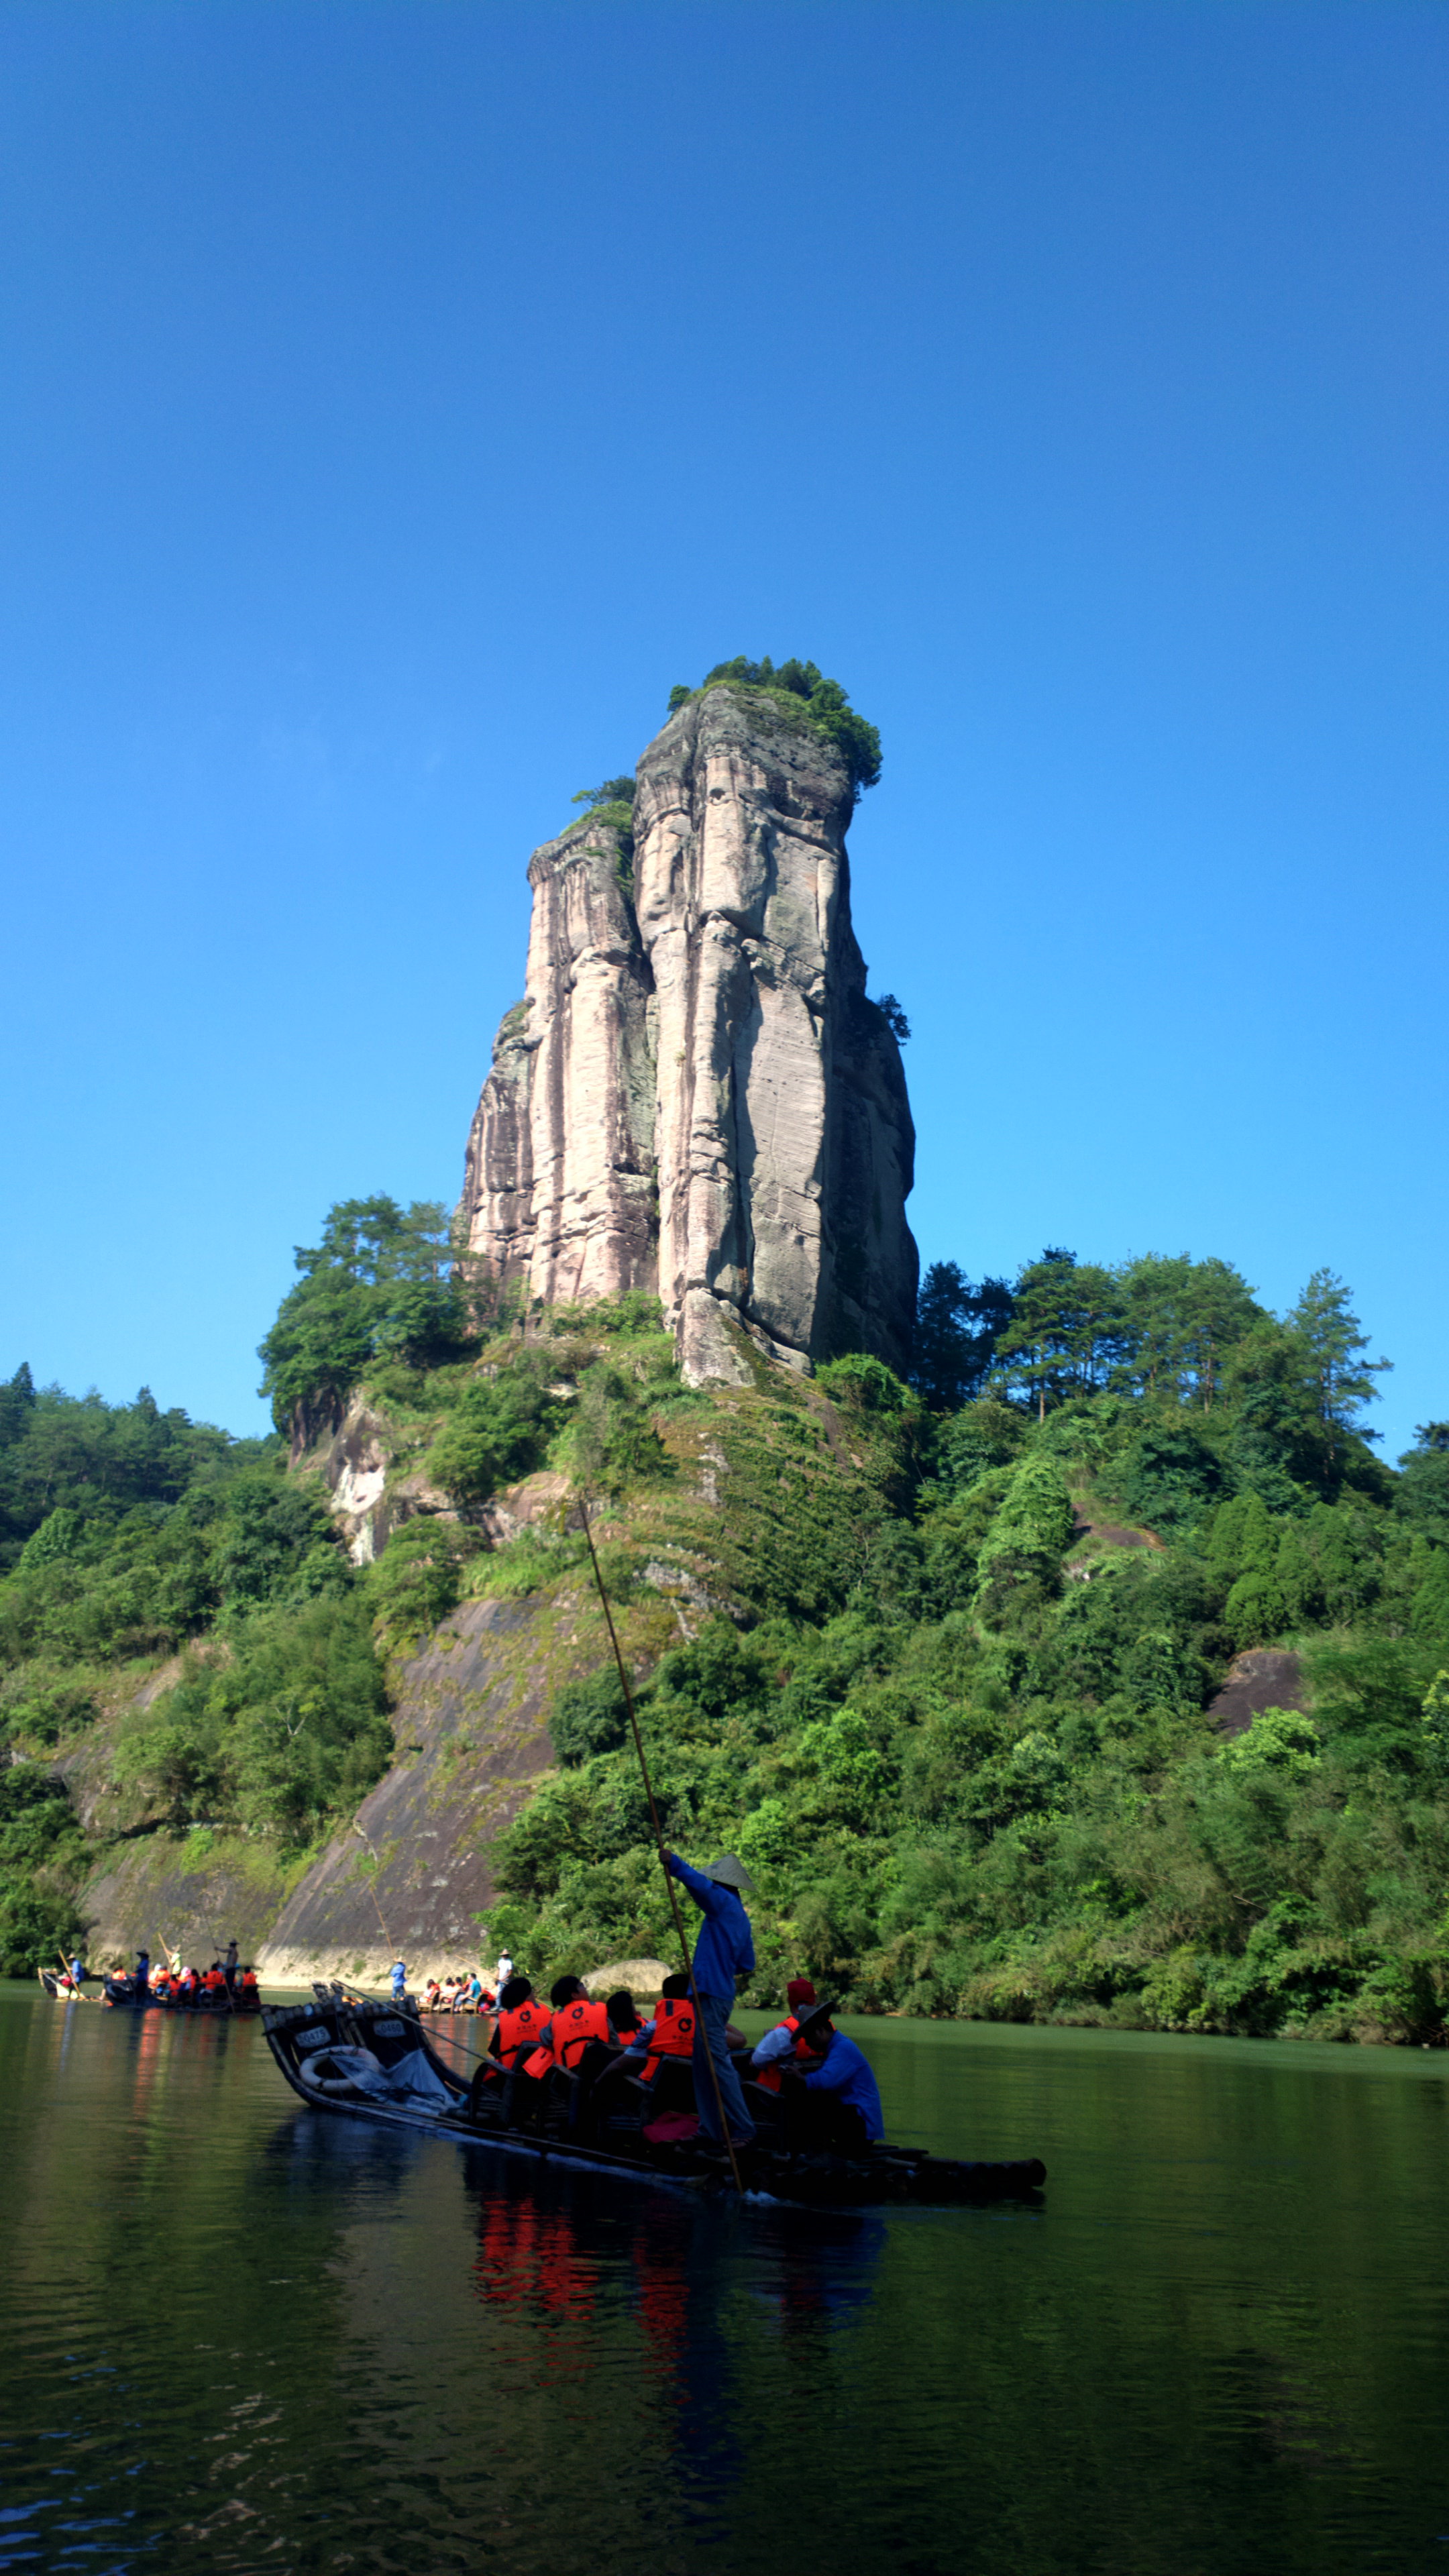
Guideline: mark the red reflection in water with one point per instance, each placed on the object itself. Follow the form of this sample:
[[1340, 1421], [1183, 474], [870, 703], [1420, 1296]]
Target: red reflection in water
[[528, 2257]]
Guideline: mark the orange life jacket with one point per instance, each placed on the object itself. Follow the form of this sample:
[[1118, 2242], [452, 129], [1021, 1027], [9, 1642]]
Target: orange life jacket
[[213, 1980], [516, 2027], [673, 2032], [249, 1981], [769, 2076], [574, 2025]]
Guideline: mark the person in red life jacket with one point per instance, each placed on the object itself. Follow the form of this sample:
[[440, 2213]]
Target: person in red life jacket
[[573, 2023], [628, 2053], [625, 2027], [214, 1983], [520, 2023], [843, 2110], [671, 2032], [724, 1955], [784, 2040], [515, 2034], [249, 1981]]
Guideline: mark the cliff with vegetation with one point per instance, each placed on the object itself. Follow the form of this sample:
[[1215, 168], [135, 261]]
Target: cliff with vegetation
[[1088, 1664]]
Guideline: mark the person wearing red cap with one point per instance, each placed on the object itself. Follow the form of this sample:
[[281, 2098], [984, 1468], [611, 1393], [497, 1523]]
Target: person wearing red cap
[[783, 2041]]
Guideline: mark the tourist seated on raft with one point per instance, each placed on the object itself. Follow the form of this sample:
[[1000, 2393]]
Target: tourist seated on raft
[[554, 2075], [834, 2106], [515, 2033], [249, 1981], [785, 2041], [432, 1995]]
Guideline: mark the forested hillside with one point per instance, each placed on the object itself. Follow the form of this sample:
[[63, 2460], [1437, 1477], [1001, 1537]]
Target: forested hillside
[[126, 1536], [945, 1651]]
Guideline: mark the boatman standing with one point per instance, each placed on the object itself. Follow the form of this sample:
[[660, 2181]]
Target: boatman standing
[[399, 1980], [723, 1955]]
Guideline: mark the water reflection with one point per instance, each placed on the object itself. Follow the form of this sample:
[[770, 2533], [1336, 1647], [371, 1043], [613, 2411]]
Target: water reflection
[[235, 2333]]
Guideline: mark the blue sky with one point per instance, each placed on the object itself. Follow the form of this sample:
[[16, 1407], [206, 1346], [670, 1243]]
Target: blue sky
[[396, 400]]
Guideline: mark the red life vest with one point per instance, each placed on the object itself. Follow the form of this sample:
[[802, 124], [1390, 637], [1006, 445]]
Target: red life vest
[[673, 2031], [249, 1981], [769, 2076], [517, 2027], [574, 2025]]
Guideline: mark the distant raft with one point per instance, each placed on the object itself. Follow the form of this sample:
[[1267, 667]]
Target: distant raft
[[375, 2061], [123, 1994]]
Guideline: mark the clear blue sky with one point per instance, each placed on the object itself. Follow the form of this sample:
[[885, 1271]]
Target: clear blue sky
[[396, 400]]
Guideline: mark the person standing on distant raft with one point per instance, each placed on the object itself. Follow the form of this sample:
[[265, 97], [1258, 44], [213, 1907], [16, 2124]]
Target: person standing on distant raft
[[724, 1955], [399, 1980]]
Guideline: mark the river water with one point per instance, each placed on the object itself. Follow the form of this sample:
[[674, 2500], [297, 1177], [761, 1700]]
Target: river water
[[238, 2335]]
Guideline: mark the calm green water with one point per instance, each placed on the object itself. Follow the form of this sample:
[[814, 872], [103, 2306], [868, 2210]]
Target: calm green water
[[238, 2335]]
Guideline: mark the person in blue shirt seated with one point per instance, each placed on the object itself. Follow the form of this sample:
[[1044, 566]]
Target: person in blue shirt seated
[[724, 1955], [841, 2110]]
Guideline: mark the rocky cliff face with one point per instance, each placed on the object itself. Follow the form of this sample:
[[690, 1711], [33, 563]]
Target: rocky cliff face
[[695, 1095]]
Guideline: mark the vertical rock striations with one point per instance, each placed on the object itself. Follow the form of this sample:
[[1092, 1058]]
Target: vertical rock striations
[[696, 1094], [558, 1186]]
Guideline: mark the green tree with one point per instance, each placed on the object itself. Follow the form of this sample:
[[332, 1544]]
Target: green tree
[[1423, 1490], [384, 1280], [1029, 1534], [1341, 1379], [1178, 1319], [958, 1326], [1064, 1330]]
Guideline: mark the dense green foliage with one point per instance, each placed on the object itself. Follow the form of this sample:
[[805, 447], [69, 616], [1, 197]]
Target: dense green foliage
[[130, 1534], [823, 704], [964, 1745]]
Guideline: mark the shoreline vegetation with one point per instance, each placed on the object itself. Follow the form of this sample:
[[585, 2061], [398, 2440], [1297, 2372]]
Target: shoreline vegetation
[[936, 1658]]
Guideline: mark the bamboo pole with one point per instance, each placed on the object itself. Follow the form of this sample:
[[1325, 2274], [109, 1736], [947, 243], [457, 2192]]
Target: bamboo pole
[[724, 2126], [372, 1891]]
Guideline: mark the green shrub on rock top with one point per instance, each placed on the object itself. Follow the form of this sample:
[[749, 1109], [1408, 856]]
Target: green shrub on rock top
[[801, 687]]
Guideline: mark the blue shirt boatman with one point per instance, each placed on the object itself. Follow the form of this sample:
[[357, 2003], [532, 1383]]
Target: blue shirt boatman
[[724, 1954]]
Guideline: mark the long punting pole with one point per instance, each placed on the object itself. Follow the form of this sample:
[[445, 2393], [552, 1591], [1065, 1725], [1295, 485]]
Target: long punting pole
[[724, 2126], [75, 1990]]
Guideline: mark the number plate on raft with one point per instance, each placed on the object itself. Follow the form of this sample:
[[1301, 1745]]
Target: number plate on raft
[[388, 2029], [312, 2038]]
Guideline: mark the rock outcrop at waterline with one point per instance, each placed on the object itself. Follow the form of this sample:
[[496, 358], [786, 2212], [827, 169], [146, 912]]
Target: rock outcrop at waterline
[[695, 1096]]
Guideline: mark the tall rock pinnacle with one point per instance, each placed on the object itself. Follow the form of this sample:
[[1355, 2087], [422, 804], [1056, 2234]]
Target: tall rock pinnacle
[[695, 1095]]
